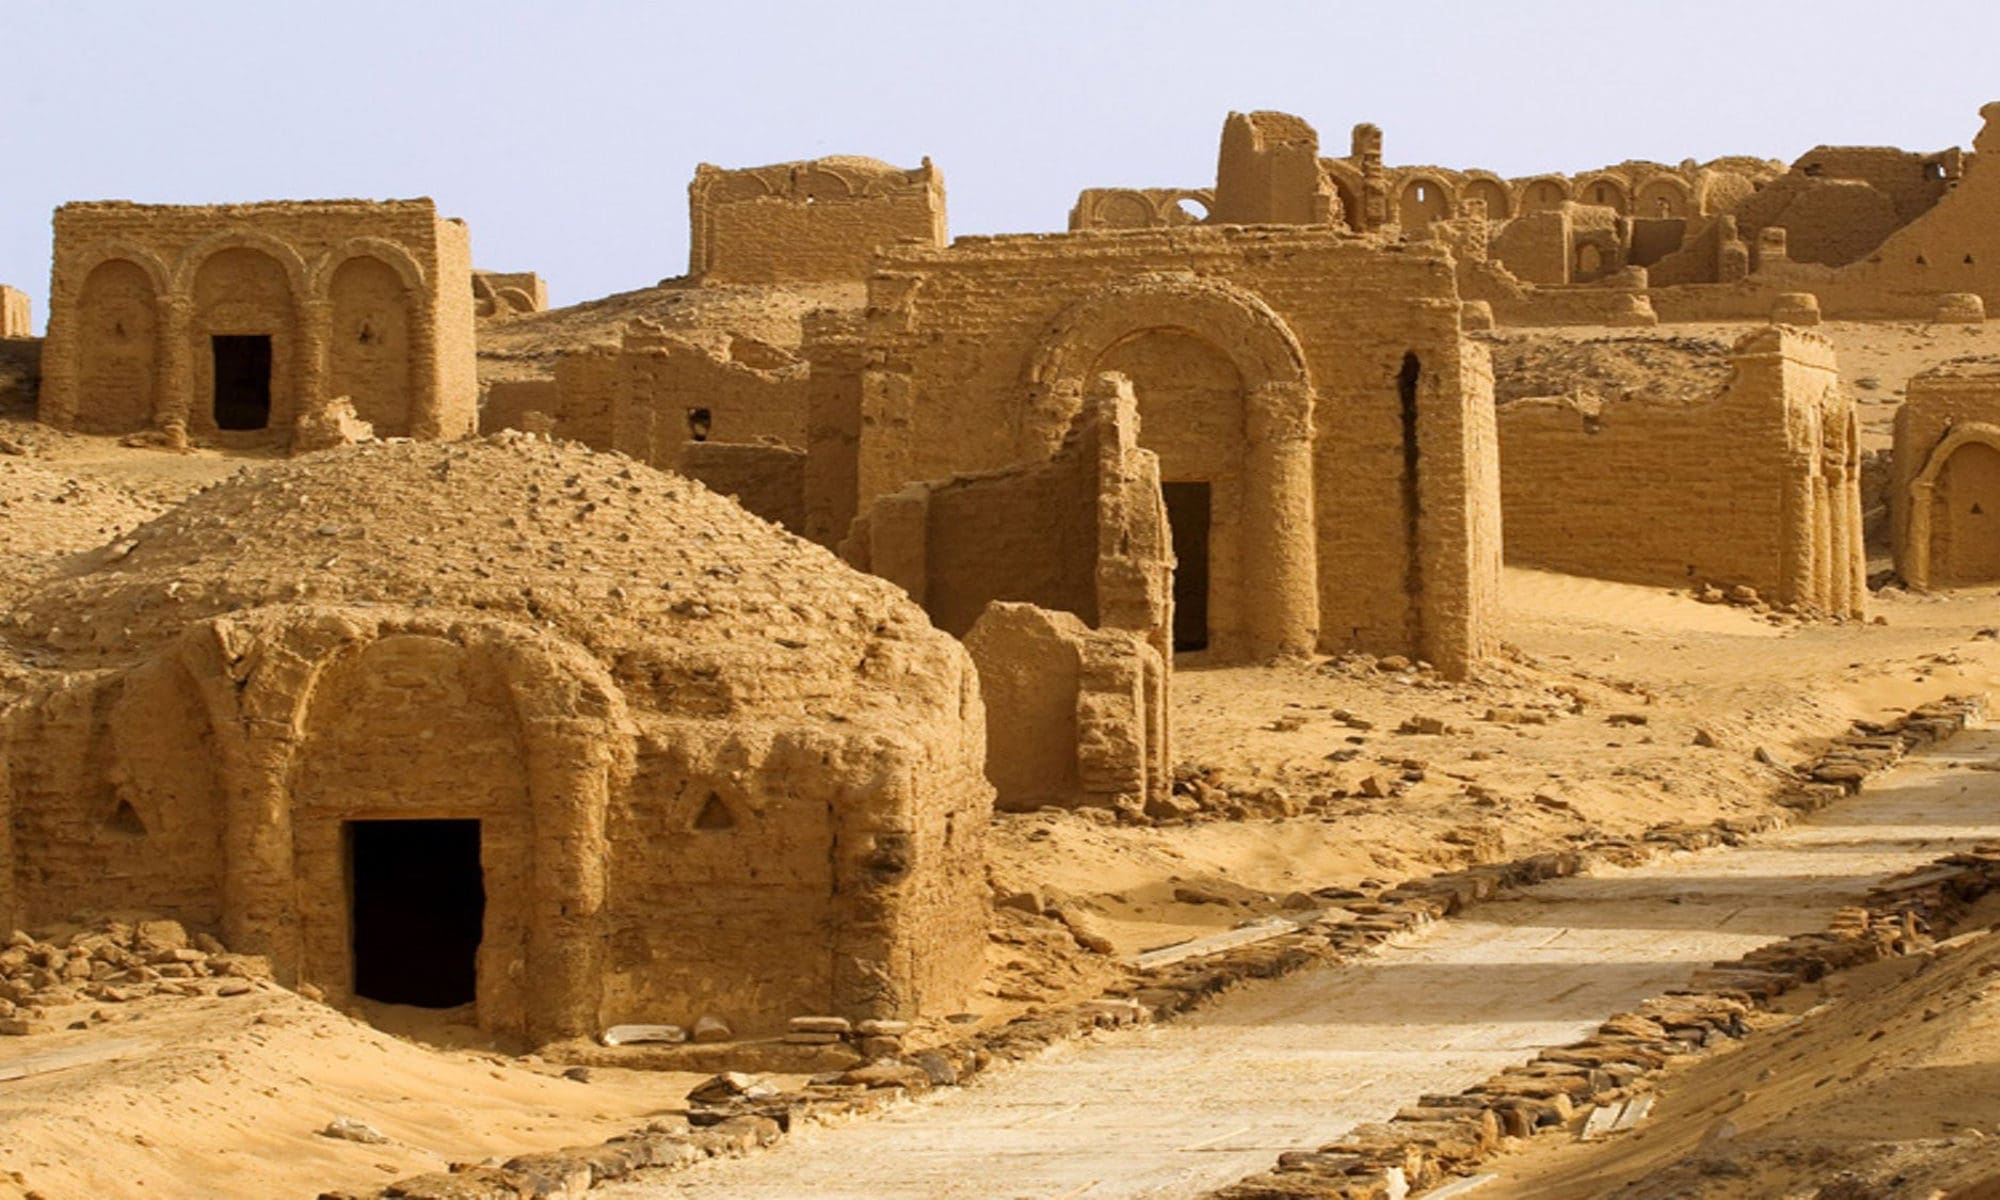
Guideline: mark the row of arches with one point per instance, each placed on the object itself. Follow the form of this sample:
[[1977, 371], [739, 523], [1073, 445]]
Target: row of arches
[[238, 334], [1419, 195]]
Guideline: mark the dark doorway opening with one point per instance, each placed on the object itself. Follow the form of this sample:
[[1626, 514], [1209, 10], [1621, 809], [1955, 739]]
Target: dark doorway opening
[[419, 904], [1187, 521], [242, 381]]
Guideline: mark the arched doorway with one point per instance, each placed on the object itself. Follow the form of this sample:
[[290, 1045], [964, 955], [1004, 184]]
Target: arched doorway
[[1225, 401], [245, 334], [1952, 535], [1191, 414], [1965, 518]]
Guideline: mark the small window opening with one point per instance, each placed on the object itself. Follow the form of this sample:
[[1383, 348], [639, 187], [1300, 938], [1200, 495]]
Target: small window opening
[[367, 336], [242, 381], [698, 424], [715, 815], [1922, 261], [126, 820]]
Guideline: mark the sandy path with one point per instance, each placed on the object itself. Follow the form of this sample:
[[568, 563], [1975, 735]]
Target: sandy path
[[1173, 1110]]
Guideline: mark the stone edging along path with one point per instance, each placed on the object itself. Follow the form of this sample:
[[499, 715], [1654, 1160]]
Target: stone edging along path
[[1441, 1134]]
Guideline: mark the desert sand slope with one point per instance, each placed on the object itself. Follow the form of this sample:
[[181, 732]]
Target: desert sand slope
[[226, 1097], [1886, 1086]]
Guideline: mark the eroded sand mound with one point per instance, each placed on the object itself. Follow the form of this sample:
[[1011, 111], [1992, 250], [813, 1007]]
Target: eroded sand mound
[[1680, 369], [680, 590], [46, 513]]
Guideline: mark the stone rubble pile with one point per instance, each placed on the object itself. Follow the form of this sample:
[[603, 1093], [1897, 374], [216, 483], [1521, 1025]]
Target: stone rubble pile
[[114, 962]]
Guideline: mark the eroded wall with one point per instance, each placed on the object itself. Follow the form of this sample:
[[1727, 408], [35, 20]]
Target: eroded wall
[[807, 221], [1758, 485], [16, 319]]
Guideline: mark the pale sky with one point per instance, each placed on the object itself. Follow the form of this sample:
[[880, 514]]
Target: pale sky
[[565, 133]]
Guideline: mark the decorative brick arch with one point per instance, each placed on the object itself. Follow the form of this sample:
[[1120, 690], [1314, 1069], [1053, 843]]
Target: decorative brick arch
[[1916, 567], [154, 267], [570, 716], [193, 258], [1445, 193], [390, 254], [1529, 188], [1282, 612], [1485, 185], [1585, 192], [1676, 192]]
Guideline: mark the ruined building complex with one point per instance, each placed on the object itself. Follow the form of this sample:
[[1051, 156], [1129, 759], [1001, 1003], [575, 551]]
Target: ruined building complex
[[669, 760], [234, 322]]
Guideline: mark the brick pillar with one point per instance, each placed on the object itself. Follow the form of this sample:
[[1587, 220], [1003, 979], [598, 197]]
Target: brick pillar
[[425, 418], [173, 384], [1281, 601]]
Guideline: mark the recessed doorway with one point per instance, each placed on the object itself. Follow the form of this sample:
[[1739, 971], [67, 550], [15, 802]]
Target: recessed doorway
[[1188, 508], [242, 381], [418, 907]]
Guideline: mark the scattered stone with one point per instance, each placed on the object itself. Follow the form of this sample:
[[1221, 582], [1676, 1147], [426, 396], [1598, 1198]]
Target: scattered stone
[[348, 1129], [708, 1029], [635, 1035]]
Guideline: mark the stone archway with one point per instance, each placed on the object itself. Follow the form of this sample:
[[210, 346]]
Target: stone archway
[[1954, 525], [291, 781], [1247, 384]]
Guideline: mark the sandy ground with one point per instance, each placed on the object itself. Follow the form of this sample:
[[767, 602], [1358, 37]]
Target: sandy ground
[[227, 1098], [1174, 1110]]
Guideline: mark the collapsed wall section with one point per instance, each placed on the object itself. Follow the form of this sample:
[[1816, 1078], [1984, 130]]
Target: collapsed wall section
[[1756, 486]]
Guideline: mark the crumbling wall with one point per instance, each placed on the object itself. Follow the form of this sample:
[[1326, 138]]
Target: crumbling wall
[[508, 293], [1267, 173], [1074, 716], [1944, 490], [1329, 477], [1082, 532], [357, 298], [1758, 486], [769, 479], [671, 403], [15, 317], [808, 221]]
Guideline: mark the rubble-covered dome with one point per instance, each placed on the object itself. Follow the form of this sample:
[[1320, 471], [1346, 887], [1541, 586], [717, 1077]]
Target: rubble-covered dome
[[687, 598]]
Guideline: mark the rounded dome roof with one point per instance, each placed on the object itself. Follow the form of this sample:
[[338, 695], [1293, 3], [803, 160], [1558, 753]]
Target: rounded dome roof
[[687, 598]]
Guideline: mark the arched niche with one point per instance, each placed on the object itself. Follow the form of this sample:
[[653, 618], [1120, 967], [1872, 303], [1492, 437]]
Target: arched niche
[[1423, 199], [1499, 205], [368, 342], [117, 347], [244, 338]]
